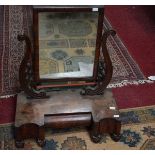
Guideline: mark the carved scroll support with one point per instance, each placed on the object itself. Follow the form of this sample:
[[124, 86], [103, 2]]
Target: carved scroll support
[[105, 69], [26, 72]]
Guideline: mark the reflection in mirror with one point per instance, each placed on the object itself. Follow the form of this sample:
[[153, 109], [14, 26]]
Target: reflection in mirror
[[67, 44]]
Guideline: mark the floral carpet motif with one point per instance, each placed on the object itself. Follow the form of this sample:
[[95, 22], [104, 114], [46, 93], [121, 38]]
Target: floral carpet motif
[[149, 131], [50, 145], [136, 134], [130, 138], [149, 145], [74, 143]]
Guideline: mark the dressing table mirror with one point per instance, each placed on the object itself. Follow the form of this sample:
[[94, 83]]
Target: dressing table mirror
[[68, 50]]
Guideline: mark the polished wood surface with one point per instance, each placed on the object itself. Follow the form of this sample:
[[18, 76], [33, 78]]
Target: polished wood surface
[[68, 120], [63, 102], [66, 109]]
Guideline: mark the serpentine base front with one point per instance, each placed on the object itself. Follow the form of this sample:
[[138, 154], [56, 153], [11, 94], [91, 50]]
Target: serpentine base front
[[65, 109]]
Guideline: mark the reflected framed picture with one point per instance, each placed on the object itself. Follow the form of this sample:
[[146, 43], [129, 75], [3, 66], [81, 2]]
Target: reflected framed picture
[[67, 43]]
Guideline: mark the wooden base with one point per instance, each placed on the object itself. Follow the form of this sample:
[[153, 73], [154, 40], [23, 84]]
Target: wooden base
[[65, 110], [29, 131], [107, 125]]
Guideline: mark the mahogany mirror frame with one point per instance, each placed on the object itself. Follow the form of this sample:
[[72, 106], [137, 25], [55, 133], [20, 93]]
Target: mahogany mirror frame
[[88, 80]]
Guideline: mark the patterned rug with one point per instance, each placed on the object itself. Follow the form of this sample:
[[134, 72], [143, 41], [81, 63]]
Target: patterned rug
[[14, 20], [138, 132], [18, 20]]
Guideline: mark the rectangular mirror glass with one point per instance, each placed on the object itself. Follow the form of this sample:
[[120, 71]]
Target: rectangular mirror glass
[[67, 44]]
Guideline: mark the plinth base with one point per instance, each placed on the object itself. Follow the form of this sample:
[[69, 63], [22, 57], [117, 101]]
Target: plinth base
[[66, 109]]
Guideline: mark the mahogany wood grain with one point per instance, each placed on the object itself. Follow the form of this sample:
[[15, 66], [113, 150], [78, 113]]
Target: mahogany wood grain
[[68, 120], [66, 109]]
